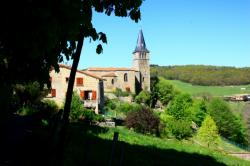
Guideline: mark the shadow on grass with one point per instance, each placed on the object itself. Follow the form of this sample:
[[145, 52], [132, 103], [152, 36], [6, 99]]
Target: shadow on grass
[[87, 149], [84, 148]]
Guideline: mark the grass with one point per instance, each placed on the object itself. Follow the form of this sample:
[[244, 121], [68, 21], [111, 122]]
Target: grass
[[92, 146], [197, 90]]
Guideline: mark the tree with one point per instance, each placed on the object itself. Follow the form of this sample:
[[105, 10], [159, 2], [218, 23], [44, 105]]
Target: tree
[[208, 132], [179, 107], [143, 97], [229, 125], [36, 35], [166, 91]]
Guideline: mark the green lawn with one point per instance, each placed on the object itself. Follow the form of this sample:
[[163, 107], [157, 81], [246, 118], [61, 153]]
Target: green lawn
[[92, 146], [213, 90]]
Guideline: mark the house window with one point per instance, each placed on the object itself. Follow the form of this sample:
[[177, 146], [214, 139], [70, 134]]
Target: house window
[[79, 81], [126, 77], [53, 92], [112, 81], [88, 95], [67, 79]]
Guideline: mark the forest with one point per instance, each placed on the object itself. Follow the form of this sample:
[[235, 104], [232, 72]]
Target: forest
[[204, 75]]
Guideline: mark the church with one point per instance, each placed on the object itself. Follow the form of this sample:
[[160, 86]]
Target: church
[[90, 84], [132, 79]]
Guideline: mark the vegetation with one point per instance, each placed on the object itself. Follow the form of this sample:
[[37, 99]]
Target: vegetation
[[208, 132], [204, 75], [208, 91], [144, 121], [229, 125], [143, 98]]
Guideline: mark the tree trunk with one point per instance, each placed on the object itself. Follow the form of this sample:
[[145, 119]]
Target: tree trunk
[[65, 119]]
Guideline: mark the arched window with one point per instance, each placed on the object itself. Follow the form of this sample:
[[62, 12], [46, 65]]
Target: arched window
[[126, 77], [112, 81]]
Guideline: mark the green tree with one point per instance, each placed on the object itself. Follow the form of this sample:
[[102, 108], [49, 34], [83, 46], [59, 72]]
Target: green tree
[[143, 97], [166, 91], [228, 124], [199, 111], [179, 107], [76, 107], [208, 132]]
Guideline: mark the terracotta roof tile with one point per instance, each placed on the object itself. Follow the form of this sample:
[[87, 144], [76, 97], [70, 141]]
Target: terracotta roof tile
[[109, 75], [83, 72], [110, 69]]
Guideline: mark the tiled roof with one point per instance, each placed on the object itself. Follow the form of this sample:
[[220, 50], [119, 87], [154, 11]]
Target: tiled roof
[[79, 71], [109, 75], [110, 69]]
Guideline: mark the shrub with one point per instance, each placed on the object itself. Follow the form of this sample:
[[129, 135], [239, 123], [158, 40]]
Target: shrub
[[76, 107], [143, 121], [119, 93], [180, 129], [27, 110], [143, 97], [179, 107]]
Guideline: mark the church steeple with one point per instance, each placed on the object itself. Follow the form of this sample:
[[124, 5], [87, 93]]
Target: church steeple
[[141, 45]]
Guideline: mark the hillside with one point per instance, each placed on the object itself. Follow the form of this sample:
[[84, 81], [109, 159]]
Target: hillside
[[204, 75], [197, 90], [92, 146]]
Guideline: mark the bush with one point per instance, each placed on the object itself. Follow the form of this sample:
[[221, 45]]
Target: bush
[[76, 108], [143, 97], [90, 116], [143, 121], [119, 93], [180, 107], [27, 110], [180, 129]]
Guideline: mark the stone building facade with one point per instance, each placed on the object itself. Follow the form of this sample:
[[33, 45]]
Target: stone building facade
[[87, 85]]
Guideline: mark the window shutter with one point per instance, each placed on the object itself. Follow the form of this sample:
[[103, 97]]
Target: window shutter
[[82, 94], [53, 92], [93, 95], [79, 81]]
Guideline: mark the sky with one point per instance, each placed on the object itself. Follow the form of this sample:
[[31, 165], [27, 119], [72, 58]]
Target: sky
[[177, 32]]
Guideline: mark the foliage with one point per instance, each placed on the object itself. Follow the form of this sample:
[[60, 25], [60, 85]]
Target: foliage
[[179, 107], [27, 110], [181, 128], [204, 75], [143, 97], [208, 132], [76, 107], [166, 91], [119, 93], [143, 121], [29, 93], [90, 116], [154, 95], [199, 111], [57, 27], [228, 124]]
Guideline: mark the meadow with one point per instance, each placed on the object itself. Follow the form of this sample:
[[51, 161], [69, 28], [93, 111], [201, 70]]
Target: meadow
[[197, 90]]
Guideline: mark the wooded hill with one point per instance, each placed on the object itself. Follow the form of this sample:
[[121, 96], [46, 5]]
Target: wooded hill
[[204, 75]]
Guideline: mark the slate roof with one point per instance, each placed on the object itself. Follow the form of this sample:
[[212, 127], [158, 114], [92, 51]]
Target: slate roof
[[141, 45]]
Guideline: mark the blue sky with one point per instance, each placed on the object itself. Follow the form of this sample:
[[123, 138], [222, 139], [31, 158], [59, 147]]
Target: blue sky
[[177, 32]]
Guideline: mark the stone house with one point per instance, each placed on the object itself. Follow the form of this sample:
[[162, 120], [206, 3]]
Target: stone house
[[87, 85]]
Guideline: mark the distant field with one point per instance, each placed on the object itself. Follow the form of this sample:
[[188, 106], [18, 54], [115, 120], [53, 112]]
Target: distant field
[[213, 90]]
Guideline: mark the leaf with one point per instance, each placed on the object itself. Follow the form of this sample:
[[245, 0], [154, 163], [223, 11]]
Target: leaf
[[102, 37], [99, 49]]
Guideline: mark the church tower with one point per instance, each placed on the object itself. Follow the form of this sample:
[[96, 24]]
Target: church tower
[[141, 62]]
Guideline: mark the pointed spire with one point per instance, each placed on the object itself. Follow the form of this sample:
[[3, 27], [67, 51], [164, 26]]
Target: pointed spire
[[141, 46]]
